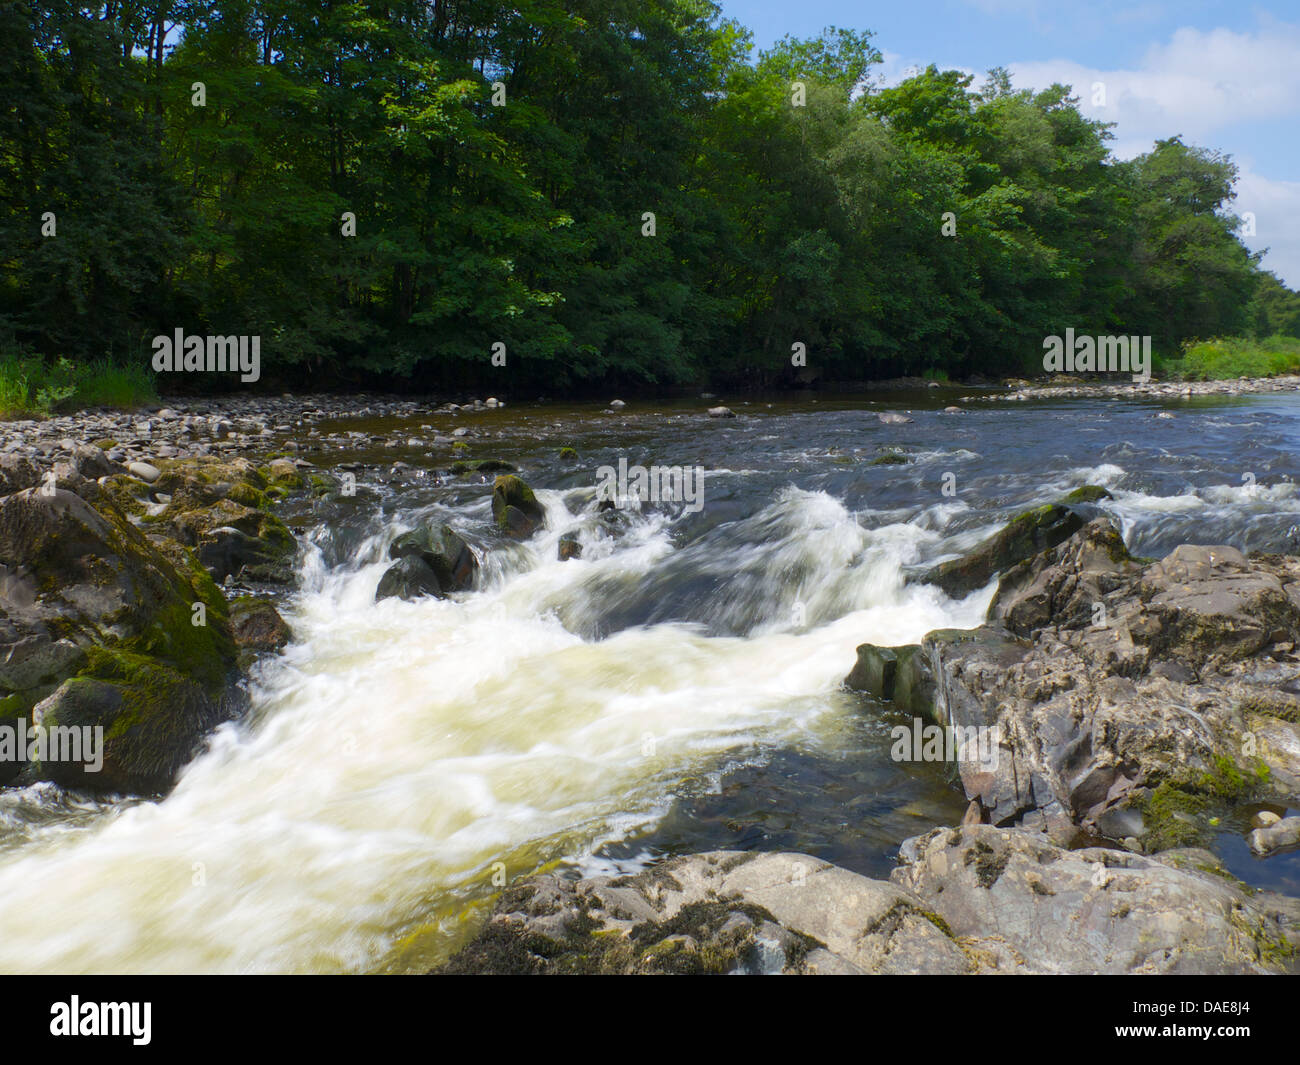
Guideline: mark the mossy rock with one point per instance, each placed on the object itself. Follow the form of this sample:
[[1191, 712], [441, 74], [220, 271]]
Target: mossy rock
[[515, 508], [890, 458], [1027, 534], [281, 473], [568, 454], [152, 719], [1088, 493], [156, 659]]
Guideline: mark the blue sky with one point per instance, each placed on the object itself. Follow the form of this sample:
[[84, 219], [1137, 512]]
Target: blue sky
[[1224, 75]]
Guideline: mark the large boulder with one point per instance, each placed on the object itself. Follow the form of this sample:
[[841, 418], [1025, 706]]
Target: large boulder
[[515, 508], [100, 629], [970, 900], [444, 551]]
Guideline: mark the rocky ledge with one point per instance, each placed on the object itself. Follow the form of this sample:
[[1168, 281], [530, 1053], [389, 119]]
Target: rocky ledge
[[969, 900]]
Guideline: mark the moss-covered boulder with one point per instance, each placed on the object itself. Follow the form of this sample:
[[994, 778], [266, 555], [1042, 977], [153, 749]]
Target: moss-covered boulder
[[1026, 535], [99, 629], [515, 508], [443, 551]]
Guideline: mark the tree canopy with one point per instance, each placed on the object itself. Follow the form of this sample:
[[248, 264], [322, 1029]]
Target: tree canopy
[[617, 191]]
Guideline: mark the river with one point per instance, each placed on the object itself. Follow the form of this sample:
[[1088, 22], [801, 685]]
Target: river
[[677, 688]]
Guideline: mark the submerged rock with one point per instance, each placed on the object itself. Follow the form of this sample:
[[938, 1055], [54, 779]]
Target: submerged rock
[[1279, 836]]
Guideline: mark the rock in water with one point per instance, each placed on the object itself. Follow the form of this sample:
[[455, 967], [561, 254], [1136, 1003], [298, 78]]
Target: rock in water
[[409, 578], [1024, 536], [257, 625], [721, 412], [444, 551], [569, 547], [890, 418], [515, 507]]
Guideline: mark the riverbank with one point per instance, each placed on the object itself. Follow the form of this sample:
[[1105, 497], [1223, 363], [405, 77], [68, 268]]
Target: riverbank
[[183, 427]]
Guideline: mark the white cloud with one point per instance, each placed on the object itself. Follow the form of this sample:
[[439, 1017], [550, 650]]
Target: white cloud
[[1276, 207], [1201, 84]]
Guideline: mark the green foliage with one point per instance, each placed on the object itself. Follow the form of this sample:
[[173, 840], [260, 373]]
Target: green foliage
[[476, 224], [1231, 357], [30, 386]]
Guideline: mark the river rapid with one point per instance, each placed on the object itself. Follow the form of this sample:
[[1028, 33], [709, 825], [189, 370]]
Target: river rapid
[[677, 688]]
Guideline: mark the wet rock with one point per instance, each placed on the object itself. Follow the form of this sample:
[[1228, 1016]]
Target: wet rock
[[101, 629], [721, 412], [449, 556], [890, 418], [569, 547], [145, 471], [1279, 836], [1025, 536], [515, 508], [1118, 688], [409, 578], [257, 625]]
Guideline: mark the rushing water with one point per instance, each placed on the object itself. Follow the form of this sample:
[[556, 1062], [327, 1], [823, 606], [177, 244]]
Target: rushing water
[[677, 688]]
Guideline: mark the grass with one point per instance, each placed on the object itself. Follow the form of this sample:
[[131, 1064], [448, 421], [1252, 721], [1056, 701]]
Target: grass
[[34, 387], [1226, 358]]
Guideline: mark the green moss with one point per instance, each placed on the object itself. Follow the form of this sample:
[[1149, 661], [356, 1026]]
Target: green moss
[[891, 458], [1173, 817], [1088, 493], [568, 453], [1224, 780]]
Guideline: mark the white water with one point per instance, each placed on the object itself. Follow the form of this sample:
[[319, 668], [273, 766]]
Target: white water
[[397, 750]]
